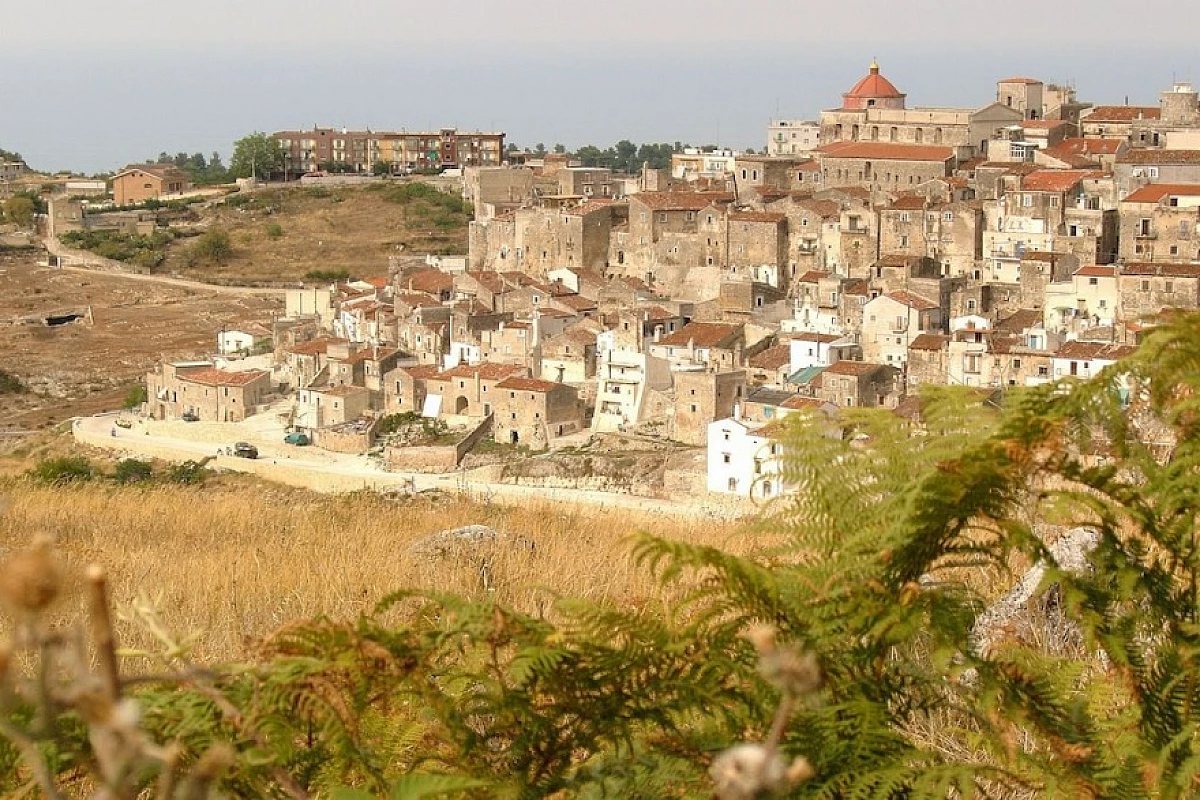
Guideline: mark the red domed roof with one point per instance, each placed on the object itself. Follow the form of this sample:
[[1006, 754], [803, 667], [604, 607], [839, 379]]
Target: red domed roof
[[873, 85]]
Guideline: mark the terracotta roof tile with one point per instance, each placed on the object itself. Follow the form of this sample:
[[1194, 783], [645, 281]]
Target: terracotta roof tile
[[1122, 113], [1156, 192], [680, 201], [485, 371], [1142, 156], [528, 385], [929, 341], [772, 217], [1056, 180], [886, 151], [1096, 271], [220, 377], [703, 334], [908, 202], [854, 368], [912, 300], [1019, 321], [773, 357], [1086, 351], [314, 347], [1162, 270]]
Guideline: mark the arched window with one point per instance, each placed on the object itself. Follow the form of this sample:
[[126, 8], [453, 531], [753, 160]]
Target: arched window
[[937, 135], [854, 133], [919, 136]]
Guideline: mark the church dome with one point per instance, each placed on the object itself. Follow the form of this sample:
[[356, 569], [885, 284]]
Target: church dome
[[873, 91]]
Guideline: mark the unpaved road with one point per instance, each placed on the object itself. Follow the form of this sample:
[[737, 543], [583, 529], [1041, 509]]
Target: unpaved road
[[83, 261], [323, 471]]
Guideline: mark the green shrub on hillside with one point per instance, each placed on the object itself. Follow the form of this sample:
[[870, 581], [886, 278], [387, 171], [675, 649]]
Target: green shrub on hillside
[[132, 470], [211, 248], [10, 384], [63, 469]]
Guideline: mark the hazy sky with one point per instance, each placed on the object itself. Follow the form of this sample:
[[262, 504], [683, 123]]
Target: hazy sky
[[95, 84]]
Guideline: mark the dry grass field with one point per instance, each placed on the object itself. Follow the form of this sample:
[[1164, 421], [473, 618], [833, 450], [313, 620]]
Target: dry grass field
[[234, 560], [284, 233]]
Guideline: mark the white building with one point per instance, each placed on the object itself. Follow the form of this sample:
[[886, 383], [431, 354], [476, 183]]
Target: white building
[[743, 459], [786, 137], [624, 377], [246, 341], [1086, 359]]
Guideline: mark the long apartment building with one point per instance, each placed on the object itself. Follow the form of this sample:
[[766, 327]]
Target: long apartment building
[[401, 151]]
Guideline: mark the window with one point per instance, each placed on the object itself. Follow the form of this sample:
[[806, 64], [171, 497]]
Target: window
[[733, 483], [1168, 287], [1043, 372], [1016, 363], [726, 458], [1026, 201], [1152, 172], [1145, 286], [1093, 281]]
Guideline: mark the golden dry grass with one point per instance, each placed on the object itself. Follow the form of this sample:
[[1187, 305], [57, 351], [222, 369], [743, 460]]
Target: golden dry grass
[[234, 561]]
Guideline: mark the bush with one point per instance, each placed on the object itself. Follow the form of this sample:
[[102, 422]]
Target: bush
[[274, 230], [65, 469], [211, 248], [189, 473], [329, 275], [10, 384], [132, 470]]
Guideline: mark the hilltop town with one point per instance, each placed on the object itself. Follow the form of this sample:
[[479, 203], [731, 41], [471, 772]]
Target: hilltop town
[[676, 315]]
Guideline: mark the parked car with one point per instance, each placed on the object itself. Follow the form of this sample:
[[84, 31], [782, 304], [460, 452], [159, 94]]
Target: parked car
[[124, 423], [245, 450], [298, 438], [190, 416]]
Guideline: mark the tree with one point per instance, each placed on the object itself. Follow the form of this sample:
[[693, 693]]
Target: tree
[[256, 155], [19, 210], [136, 395]]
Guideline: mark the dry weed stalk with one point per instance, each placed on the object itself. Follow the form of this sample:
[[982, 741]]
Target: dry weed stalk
[[58, 680], [751, 770]]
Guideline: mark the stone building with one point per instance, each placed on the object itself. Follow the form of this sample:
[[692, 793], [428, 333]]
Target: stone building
[[883, 166], [951, 234], [714, 345], [404, 388], [849, 384], [928, 360], [213, 395], [468, 390], [537, 240], [1160, 223], [1140, 166], [702, 397], [496, 189], [892, 321], [1115, 122], [1147, 289], [531, 412]]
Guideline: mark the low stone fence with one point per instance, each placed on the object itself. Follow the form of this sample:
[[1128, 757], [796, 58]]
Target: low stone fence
[[436, 458]]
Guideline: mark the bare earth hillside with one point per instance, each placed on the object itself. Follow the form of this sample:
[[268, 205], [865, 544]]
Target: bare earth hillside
[[83, 367], [282, 234]]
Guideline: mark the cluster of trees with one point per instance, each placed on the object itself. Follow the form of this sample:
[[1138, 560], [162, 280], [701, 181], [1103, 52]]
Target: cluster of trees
[[9, 155], [202, 171], [866, 597], [624, 156]]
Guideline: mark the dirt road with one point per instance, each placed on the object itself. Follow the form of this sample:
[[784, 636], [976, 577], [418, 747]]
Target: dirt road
[[83, 261], [323, 471]]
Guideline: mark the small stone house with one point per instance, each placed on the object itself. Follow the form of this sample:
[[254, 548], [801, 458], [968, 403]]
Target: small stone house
[[213, 395], [531, 412], [859, 384]]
